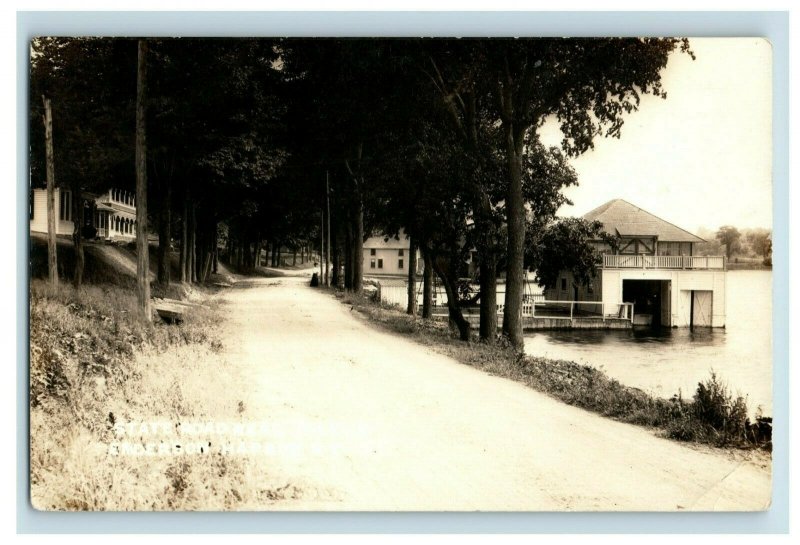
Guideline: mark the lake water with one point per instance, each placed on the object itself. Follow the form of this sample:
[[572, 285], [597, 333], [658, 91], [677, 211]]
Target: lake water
[[665, 361]]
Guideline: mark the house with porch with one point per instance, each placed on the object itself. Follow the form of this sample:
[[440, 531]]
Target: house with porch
[[112, 214], [653, 267]]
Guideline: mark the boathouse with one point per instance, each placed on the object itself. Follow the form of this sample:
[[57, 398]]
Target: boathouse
[[651, 274]]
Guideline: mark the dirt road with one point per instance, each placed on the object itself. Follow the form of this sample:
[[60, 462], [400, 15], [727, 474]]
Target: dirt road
[[359, 419]]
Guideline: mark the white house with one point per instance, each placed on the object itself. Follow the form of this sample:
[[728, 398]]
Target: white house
[[388, 256], [654, 267], [113, 213]]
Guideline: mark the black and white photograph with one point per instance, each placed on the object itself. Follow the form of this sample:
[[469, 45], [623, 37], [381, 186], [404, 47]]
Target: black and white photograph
[[278, 273]]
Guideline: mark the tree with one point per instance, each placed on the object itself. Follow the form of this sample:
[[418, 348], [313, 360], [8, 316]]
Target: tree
[[759, 241], [588, 85], [564, 245], [52, 255], [453, 67], [89, 84], [729, 236], [768, 252], [142, 249]]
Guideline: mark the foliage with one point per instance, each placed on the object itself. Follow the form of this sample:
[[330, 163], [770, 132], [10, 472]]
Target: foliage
[[565, 245], [729, 236], [92, 85]]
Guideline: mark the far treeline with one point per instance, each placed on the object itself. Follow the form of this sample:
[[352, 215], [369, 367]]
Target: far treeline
[[745, 245], [438, 137]]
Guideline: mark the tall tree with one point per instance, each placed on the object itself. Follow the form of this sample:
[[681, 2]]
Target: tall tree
[[730, 237], [588, 85], [52, 255], [91, 91], [142, 249]]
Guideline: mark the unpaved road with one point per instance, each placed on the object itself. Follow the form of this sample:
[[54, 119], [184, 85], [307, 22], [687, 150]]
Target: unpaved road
[[361, 419]]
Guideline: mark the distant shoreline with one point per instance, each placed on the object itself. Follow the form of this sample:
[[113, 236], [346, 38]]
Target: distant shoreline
[[733, 266]]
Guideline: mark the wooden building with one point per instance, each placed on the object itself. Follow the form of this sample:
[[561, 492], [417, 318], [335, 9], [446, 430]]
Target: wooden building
[[653, 266], [112, 214], [388, 256]]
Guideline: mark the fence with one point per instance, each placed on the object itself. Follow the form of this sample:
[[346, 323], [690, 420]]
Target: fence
[[395, 292], [569, 310]]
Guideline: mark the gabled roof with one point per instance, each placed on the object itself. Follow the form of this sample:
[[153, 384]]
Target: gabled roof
[[621, 218]]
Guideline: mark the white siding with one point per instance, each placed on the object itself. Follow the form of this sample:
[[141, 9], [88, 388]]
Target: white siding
[[39, 222], [682, 283], [391, 259]]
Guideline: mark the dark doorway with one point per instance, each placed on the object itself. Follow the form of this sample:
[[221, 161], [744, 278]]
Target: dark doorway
[[646, 295]]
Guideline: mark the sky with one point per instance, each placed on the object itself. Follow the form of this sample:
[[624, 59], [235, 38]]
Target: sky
[[700, 158]]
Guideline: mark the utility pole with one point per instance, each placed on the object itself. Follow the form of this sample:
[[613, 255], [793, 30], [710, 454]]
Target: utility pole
[[321, 242], [328, 246], [52, 256]]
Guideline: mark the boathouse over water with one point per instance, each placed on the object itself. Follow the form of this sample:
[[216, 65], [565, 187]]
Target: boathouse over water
[[654, 267]]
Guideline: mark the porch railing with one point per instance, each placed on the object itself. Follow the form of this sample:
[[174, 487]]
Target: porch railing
[[621, 261]]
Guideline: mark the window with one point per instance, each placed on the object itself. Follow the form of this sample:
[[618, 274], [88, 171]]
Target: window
[[380, 263], [400, 263], [372, 251], [371, 263], [65, 205], [400, 253], [563, 284]]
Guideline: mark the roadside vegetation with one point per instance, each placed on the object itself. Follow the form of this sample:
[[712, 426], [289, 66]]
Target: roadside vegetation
[[94, 364], [713, 416]]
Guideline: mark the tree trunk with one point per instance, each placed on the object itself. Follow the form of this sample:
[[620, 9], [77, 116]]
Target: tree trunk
[[215, 251], [336, 249], [358, 247], [488, 327], [164, 233], [257, 253], [142, 254], [427, 284], [193, 243], [77, 235], [411, 308], [52, 258], [206, 261], [453, 310], [515, 209], [348, 257], [184, 235]]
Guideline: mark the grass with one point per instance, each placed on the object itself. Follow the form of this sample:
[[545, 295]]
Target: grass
[[94, 364], [714, 416]]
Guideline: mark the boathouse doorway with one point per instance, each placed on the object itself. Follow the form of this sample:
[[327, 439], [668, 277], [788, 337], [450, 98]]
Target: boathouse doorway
[[702, 302], [651, 301]]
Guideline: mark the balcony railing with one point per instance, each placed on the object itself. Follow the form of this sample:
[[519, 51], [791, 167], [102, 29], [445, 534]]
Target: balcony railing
[[696, 262], [116, 196]]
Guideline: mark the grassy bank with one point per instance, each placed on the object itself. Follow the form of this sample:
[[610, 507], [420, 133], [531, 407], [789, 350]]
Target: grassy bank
[[93, 365], [713, 416]]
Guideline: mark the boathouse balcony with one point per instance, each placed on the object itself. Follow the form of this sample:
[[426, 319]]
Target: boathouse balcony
[[690, 262]]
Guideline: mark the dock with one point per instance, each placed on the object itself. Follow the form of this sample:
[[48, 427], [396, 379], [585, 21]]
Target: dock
[[542, 314]]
